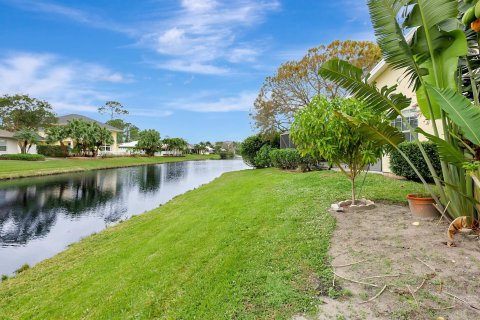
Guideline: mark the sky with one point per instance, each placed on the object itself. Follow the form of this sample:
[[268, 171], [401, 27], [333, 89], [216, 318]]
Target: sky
[[187, 68]]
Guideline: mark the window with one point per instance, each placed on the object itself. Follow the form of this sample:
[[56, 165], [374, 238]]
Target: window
[[3, 145], [410, 116], [106, 148]]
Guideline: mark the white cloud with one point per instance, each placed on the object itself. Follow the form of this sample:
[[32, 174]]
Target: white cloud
[[66, 85], [204, 33], [192, 67], [242, 102], [199, 6], [80, 16]]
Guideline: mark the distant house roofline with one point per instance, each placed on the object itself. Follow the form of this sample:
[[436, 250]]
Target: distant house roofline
[[63, 120]]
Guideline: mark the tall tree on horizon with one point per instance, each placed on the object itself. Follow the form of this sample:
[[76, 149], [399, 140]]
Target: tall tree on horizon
[[295, 83]]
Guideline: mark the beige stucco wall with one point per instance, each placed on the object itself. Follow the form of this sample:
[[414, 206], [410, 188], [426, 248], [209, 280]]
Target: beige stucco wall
[[13, 148], [389, 77]]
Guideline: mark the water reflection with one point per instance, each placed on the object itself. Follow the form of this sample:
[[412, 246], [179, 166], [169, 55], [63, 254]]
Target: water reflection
[[41, 216]]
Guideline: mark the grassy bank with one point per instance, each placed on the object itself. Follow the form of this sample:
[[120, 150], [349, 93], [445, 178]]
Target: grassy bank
[[10, 169], [251, 244]]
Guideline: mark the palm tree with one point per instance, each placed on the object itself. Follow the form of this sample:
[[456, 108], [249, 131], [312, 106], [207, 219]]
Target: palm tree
[[26, 138]]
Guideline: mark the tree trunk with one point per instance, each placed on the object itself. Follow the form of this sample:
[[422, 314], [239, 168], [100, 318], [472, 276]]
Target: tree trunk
[[353, 190]]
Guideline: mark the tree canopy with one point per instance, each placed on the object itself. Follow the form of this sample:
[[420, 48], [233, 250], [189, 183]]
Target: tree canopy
[[322, 131], [19, 112], [295, 83], [129, 131], [149, 141], [113, 108]]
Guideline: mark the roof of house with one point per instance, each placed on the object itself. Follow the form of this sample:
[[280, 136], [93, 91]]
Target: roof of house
[[10, 134], [63, 120], [6, 134], [131, 144]]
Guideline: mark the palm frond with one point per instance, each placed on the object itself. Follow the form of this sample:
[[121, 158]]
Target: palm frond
[[351, 79], [381, 133], [460, 110], [446, 151], [390, 36]]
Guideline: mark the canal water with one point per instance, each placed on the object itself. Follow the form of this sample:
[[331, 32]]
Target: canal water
[[41, 216]]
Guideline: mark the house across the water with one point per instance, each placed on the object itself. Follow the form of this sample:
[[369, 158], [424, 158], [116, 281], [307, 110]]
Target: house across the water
[[113, 148], [9, 145]]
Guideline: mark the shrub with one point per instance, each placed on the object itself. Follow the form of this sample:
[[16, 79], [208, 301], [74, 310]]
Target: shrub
[[262, 159], [290, 159], [22, 268], [309, 163], [400, 167], [226, 155], [285, 158], [4, 277], [52, 151], [23, 156], [250, 147]]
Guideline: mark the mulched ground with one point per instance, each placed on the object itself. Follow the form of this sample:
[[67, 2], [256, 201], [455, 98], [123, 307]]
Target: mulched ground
[[388, 268]]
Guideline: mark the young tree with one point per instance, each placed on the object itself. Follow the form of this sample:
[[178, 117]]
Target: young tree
[[57, 134], [26, 139], [321, 131], [149, 141], [19, 112], [295, 83], [177, 145], [112, 108]]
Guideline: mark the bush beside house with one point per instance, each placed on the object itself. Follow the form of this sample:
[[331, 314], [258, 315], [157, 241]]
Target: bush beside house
[[52, 151], [400, 167]]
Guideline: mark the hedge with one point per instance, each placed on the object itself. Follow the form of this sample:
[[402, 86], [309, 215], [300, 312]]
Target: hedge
[[400, 167], [226, 155], [51, 151], [290, 159], [20, 156]]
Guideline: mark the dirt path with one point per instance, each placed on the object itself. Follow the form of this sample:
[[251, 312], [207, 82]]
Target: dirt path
[[420, 272]]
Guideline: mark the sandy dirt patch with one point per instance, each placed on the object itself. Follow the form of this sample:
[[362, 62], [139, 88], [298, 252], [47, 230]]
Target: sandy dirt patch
[[418, 273]]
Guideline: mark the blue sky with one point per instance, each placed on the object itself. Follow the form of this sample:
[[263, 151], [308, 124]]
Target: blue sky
[[188, 68]]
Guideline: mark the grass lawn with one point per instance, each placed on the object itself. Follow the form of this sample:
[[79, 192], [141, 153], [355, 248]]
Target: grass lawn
[[16, 169], [250, 245]]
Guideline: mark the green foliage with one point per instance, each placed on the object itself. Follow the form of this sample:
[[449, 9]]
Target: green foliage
[[322, 131], [4, 277], [88, 136], [400, 166], [19, 112], [22, 268], [226, 155], [52, 151], [26, 138], [23, 156], [289, 159], [112, 108], [440, 68], [150, 142], [177, 146], [249, 148], [129, 131], [262, 158]]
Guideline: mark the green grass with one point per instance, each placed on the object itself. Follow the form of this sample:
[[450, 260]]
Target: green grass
[[250, 245], [10, 169]]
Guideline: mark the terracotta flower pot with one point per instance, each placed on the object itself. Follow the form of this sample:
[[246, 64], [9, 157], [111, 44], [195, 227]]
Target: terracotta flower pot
[[422, 207]]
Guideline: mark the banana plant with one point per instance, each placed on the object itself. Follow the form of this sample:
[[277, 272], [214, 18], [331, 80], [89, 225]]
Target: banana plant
[[432, 60]]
